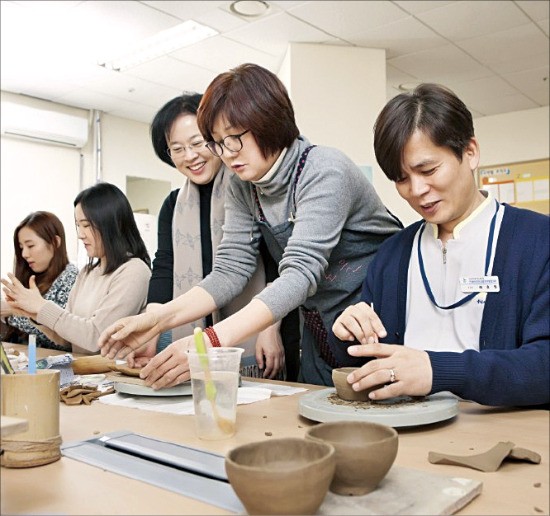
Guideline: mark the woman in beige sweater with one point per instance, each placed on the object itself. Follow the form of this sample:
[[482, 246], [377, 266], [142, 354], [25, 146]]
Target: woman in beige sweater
[[113, 284]]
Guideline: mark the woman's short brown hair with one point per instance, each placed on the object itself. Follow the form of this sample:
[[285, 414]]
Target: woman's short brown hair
[[252, 98]]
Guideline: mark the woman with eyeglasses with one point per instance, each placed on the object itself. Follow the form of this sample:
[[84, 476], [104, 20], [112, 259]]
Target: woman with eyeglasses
[[189, 231], [113, 284], [320, 217]]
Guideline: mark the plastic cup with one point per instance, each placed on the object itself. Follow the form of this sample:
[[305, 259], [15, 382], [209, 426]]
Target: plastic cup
[[214, 383]]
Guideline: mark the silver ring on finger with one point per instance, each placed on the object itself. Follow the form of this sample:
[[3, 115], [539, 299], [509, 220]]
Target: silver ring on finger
[[392, 376]]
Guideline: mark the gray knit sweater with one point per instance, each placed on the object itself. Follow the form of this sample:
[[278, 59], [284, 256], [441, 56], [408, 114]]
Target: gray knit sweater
[[339, 223]]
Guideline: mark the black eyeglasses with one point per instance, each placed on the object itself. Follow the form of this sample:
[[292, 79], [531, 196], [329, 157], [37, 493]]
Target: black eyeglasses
[[232, 143], [177, 150]]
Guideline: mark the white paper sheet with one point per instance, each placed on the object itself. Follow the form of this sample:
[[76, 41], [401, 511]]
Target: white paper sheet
[[541, 189], [183, 405], [493, 190], [506, 193], [524, 191]]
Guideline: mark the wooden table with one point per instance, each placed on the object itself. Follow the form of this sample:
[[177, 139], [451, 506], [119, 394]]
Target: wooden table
[[71, 487]]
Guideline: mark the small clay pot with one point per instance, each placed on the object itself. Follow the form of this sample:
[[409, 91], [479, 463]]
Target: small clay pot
[[343, 388], [281, 476], [365, 453]]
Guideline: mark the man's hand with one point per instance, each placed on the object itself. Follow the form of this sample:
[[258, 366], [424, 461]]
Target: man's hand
[[402, 371], [359, 322]]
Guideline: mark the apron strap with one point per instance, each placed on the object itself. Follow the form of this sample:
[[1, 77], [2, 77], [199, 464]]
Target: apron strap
[[301, 164], [314, 323]]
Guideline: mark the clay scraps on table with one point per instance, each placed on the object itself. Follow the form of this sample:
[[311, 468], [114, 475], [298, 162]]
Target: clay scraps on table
[[77, 394], [382, 404], [488, 461]]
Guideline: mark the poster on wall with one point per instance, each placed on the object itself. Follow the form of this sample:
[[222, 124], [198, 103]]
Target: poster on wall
[[525, 185]]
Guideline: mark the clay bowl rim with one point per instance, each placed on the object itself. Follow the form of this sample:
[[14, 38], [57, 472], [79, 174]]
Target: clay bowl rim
[[341, 369], [393, 432], [342, 373], [330, 452]]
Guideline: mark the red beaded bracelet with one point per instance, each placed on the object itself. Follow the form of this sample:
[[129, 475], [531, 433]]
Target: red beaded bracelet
[[211, 334]]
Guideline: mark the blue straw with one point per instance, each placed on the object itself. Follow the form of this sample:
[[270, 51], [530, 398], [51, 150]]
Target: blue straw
[[32, 354]]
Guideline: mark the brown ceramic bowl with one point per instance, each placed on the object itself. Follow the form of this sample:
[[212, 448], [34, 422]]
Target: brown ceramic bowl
[[343, 388], [365, 453], [281, 476]]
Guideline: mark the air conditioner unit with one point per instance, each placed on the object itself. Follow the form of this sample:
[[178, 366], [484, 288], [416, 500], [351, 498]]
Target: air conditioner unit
[[43, 126]]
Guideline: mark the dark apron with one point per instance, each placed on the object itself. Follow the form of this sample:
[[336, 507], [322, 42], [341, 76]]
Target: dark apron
[[317, 360]]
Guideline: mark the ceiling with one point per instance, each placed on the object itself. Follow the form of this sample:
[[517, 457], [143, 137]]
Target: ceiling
[[493, 54]]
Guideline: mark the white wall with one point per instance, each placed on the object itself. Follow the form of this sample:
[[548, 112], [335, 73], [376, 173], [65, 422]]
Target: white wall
[[127, 151], [147, 194], [513, 137], [36, 176], [337, 93]]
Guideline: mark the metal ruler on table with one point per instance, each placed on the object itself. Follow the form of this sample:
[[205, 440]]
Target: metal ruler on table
[[195, 473]]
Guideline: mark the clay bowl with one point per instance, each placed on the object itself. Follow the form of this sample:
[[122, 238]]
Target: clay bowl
[[343, 388], [281, 476], [365, 453]]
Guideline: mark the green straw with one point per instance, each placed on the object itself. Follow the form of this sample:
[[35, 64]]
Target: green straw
[[203, 357]]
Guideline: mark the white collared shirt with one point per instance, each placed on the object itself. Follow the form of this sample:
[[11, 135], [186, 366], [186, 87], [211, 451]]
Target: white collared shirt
[[427, 326]]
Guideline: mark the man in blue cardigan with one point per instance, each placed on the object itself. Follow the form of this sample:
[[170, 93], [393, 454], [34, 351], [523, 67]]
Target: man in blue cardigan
[[459, 301]]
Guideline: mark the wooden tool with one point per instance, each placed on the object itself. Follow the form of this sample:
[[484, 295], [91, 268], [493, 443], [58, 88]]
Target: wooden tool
[[92, 364]]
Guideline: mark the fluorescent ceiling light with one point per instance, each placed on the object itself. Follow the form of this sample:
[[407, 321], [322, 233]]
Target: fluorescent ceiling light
[[162, 43]]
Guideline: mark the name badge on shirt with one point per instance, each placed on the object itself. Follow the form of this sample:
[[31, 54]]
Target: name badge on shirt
[[479, 284]]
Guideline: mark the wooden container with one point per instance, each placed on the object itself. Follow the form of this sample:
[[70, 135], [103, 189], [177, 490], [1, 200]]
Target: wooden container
[[34, 397]]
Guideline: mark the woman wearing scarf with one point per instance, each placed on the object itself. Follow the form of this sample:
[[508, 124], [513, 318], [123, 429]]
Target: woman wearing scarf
[[189, 231]]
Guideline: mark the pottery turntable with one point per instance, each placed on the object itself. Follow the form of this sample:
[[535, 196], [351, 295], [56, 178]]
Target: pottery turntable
[[325, 405]]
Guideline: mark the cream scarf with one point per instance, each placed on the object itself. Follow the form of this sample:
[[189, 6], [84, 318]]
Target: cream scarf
[[186, 240]]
